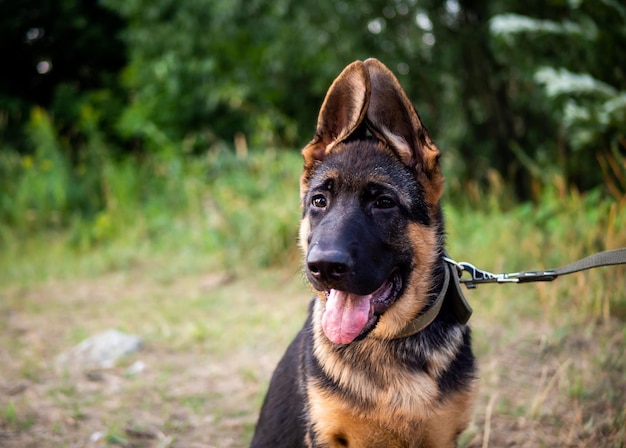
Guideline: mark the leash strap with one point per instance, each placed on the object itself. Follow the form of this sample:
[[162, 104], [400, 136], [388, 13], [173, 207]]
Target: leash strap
[[478, 276]]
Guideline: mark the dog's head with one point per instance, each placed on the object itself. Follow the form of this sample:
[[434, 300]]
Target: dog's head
[[370, 190]]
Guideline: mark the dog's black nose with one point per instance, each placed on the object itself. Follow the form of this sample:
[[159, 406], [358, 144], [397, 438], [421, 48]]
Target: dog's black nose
[[328, 266]]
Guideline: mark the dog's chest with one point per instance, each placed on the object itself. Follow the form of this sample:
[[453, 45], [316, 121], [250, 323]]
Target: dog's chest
[[334, 423], [369, 407]]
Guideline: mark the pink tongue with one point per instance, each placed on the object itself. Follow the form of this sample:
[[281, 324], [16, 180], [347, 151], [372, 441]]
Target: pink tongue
[[345, 316]]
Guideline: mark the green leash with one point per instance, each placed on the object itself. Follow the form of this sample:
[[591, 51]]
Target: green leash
[[478, 276]]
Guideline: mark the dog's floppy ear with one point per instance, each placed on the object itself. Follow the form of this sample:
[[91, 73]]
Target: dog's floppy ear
[[392, 118], [342, 112]]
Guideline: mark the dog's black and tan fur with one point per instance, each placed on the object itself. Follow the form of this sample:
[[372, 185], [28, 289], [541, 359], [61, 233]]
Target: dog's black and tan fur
[[371, 228]]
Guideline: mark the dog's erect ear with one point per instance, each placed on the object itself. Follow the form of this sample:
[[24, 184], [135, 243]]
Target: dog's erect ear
[[342, 112], [392, 118]]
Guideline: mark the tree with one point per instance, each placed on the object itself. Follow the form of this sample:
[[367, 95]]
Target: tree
[[483, 75], [569, 85], [54, 52]]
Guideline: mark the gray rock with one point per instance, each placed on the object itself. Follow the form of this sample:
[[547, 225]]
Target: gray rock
[[100, 351]]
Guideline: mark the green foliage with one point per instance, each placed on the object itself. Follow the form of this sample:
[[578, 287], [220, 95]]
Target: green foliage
[[204, 70], [36, 186], [44, 189], [593, 225], [255, 202], [57, 53], [572, 59], [230, 210], [523, 99]]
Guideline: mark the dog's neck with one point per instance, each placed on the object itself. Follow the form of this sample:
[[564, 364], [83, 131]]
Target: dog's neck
[[451, 291]]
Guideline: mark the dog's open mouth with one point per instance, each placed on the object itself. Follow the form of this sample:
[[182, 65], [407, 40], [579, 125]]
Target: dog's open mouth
[[349, 315]]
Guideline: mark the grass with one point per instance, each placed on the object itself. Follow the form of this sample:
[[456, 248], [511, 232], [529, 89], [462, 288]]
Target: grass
[[545, 348], [214, 289]]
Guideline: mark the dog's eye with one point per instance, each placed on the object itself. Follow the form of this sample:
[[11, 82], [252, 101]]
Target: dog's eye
[[384, 202], [319, 201]]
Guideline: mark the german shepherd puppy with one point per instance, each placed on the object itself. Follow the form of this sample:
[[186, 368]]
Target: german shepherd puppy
[[384, 358]]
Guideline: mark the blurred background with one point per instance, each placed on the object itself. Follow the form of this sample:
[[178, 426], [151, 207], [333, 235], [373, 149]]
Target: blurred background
[[159, 140]]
